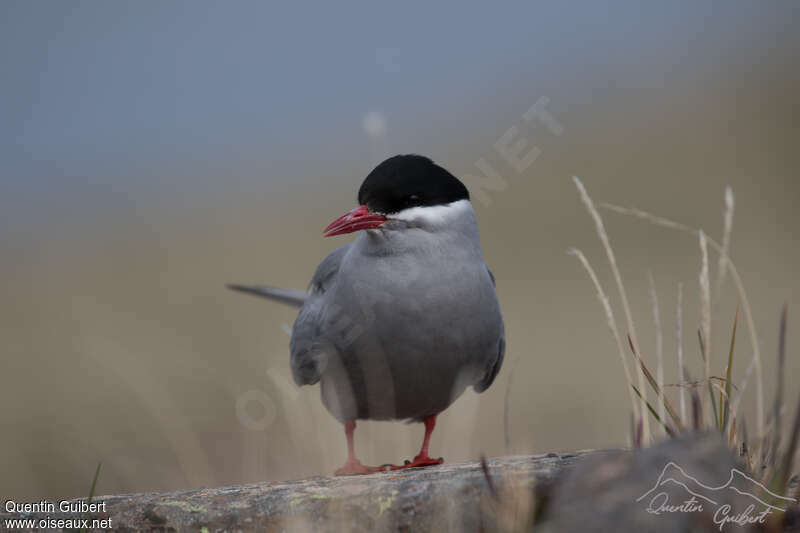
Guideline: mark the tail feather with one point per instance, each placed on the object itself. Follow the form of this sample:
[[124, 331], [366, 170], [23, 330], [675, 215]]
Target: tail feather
[[292, 297]]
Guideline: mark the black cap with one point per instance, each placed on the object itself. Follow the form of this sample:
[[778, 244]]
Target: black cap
[[405, 181]]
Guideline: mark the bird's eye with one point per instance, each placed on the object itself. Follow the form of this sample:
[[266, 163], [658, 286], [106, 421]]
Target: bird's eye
[[412, 199]]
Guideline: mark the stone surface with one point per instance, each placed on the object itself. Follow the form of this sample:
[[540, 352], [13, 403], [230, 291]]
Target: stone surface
[[693, 483], [450, 497], [588, 491]]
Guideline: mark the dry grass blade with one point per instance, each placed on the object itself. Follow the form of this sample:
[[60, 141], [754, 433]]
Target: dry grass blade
[[697, 411], [639, 433], [714, 405], [742, 387], [704, 357], [697, 383], [507, 406], [705, 309], [655, 219], [659, 345], [721, 390], [489, 480], [679, 343], [612, 324], [697, 407], [92, 493], [745, 301], [726, 410], [658, 418], [702, 344], [779, 388], [785, 471], [601, 232], [636, 429], [672, 414], [745, 449]]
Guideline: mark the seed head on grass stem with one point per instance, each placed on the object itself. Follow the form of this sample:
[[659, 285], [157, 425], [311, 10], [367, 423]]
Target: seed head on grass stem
[[727, 223]]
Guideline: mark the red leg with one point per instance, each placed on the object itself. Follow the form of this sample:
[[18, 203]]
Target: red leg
[[423, 459], [352, 465]]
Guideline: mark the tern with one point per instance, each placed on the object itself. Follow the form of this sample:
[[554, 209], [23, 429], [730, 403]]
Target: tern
[[398, 323]]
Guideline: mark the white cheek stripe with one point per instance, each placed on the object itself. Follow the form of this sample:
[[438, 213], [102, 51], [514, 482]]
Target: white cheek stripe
[[433, 214]]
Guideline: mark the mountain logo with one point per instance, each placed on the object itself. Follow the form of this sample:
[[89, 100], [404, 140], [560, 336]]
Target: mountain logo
[[756, 500]]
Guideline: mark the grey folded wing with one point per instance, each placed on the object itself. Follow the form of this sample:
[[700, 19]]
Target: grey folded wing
[[310, 346], [495, 359], [493, 367]]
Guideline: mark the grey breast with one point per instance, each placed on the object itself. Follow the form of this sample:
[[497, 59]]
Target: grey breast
[[398, 334]]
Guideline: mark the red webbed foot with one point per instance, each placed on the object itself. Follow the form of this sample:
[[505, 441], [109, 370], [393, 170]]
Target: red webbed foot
[[354, 467], [420, 461], [423, 459]]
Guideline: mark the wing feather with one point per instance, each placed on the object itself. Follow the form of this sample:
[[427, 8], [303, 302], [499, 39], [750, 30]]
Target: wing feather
[[308, 348]]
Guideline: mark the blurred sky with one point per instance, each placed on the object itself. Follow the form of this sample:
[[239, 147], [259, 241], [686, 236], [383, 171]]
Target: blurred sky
[[152, 151]]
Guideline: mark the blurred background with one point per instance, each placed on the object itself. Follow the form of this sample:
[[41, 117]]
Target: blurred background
[[150, 152]]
